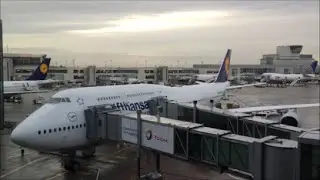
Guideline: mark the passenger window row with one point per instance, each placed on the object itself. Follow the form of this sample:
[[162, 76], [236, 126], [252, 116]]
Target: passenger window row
[[140, 94], [108, 98], [62, 129]]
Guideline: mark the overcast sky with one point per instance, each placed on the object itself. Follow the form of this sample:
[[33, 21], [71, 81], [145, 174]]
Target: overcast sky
[[134, 33]]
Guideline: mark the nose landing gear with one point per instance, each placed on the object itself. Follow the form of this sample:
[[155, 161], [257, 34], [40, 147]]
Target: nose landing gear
[[71, 165]]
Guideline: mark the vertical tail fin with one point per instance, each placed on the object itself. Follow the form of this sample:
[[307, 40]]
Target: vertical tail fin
[[314, 65], [41, 71], [224, 68]]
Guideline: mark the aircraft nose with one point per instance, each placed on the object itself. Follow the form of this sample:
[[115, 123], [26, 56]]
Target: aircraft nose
[[18, 136], [23, 134]]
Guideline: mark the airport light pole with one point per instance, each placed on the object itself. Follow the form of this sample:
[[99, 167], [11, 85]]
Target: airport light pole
[[1, 77]]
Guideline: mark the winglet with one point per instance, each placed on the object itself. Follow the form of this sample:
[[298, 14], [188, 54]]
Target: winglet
[[224, 68], [42, 70]]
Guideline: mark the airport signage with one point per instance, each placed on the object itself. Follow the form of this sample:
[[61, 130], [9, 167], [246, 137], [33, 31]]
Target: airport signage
[[157, 136], [154, 136]]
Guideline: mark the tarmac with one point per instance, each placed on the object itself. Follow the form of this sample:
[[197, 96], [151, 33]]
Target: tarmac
[[113, 162], [110, 163], [309, 117]]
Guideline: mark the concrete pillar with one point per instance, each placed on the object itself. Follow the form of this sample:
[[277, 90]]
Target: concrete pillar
[[194, 111]]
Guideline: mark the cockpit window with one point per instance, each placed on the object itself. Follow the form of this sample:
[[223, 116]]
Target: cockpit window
[[59, 100], [54, 100]]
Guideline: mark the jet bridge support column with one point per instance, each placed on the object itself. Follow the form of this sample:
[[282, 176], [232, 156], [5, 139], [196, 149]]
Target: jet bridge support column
[[212, 104], [159, 110], [194, 111], [139, 126], [157, 154]]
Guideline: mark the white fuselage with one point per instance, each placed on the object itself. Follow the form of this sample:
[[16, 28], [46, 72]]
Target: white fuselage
[[287, 77], [50, 128]]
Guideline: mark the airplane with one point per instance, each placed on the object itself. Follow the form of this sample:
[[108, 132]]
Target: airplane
[[289, 77], [59, 125], [31, 84]]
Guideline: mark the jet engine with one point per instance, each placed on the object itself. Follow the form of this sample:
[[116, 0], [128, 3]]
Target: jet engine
[[290, 118]]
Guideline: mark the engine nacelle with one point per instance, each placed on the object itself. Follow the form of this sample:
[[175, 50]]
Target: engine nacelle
[[290, 118]]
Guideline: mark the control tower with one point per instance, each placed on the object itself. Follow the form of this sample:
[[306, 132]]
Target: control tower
[[289, 52], [287, 60]]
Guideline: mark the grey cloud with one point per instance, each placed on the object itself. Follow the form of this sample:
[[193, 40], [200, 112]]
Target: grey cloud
[[259, 27], [45, 16]]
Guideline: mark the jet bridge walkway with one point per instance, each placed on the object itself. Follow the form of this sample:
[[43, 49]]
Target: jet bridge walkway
[[237, 123], [254, 157]]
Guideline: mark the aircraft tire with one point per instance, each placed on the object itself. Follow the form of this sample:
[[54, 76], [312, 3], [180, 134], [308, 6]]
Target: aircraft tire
[[75, 167], [67, 167]]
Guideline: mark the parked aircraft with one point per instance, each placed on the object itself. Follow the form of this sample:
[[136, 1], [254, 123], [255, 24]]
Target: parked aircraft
[[59, 125], [31, 84], [289, 77]]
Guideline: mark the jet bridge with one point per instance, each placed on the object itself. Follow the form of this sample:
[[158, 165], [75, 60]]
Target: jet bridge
[[238, 123], [215, 148], [102, 121], [154, 103], [99, 126], [191, 141], [309, 154]]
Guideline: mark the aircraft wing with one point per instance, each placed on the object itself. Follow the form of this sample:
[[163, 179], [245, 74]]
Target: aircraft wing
[[199, 82], [24, 92], [267, 108], [246, 85], [49, 81]]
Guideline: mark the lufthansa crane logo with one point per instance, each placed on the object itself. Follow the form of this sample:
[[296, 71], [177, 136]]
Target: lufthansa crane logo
[[149, 135], [43, 68], [227, 65], [72, 116]]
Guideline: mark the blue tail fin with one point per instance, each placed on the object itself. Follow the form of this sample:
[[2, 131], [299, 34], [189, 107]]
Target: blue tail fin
[[224, 68], [42, 70], [314, 65]]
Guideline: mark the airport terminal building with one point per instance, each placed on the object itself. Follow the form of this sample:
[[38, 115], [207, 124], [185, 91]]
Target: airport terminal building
[[288, 59]]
